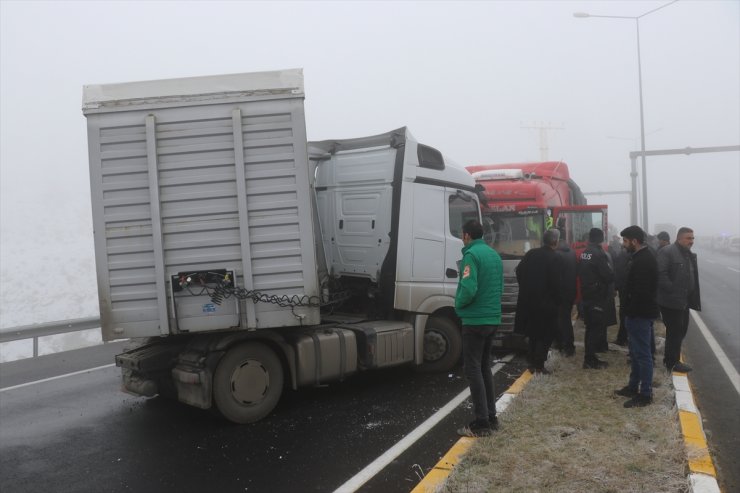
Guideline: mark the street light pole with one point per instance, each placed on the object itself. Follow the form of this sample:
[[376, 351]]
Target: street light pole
[[645, 225], [642, 113]]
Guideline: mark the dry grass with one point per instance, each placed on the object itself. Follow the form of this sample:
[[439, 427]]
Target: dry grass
[[567, 432]]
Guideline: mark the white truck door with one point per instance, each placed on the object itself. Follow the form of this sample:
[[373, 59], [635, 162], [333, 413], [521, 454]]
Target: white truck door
[[428, 252]]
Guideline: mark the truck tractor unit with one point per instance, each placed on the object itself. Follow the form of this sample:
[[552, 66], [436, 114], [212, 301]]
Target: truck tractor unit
[[522, 201], [240, 259]]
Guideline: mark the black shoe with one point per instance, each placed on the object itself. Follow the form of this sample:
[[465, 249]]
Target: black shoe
[[475, 429], [626, 391], [681, 367], [595, 364], [639, 401], [620, 343], [493, 422]]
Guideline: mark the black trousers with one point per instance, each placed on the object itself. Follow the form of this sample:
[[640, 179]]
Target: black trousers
[[594, 317], [565, 327], [676, 325], [477, 341], [539, 345]]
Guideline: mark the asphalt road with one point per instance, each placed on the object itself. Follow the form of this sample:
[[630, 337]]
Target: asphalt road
[[716, 396], [80, 433], [719, 277]]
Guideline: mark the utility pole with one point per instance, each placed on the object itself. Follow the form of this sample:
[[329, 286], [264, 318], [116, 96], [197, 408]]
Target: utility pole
[[543, 135]]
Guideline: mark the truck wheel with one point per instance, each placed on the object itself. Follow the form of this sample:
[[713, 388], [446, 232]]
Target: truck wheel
[[442, 345], [248, 382]]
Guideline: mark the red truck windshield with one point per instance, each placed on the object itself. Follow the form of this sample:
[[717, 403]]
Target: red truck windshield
[[514, 233]]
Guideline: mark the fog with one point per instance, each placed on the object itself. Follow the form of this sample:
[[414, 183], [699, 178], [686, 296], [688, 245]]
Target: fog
[[469, 78]]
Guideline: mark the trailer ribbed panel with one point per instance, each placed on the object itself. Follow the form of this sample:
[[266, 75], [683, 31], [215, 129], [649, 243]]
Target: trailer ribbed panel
[[208, 219], [126, 209]]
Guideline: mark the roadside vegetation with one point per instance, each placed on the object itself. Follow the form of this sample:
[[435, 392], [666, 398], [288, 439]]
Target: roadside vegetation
[[567, 432]]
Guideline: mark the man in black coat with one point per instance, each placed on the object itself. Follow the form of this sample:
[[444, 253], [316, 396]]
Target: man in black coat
[[678, 291], [641, 309], [597, 280], [538, 275]]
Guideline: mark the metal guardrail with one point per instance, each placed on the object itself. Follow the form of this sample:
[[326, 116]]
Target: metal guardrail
[[47, 329]]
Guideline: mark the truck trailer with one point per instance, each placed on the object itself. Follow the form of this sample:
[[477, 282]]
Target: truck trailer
[[522, 200], [240, 259]]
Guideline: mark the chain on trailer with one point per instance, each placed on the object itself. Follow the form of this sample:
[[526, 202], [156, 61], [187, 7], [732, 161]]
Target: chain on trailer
[[219, 285]]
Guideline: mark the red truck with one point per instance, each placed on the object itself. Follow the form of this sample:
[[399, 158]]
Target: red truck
[[522, 201]]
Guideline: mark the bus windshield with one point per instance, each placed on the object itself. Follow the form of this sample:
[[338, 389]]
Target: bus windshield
[[513, 234]]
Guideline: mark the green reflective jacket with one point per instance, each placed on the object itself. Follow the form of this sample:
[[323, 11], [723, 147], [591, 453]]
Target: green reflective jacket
[[478, 297]]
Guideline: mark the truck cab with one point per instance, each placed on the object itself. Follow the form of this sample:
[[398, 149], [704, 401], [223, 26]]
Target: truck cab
[[390, 212]]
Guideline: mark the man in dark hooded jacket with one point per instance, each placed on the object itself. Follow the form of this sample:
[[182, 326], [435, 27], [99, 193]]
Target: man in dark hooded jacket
[[538, 275], [597, 280]]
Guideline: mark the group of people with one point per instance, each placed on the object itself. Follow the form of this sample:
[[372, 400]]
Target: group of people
[[650, 284]]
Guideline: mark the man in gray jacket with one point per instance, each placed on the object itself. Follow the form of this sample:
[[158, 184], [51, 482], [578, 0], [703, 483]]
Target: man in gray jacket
[[678, 291]]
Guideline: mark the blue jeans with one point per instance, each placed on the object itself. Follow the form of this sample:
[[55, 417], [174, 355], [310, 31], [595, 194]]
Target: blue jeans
[[477, 340], [640, 336]]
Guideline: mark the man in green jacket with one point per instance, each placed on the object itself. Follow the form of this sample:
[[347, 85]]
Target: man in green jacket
[[478, 304]]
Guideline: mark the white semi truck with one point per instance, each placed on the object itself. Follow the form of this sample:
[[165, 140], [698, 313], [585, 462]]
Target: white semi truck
[[243, 259]]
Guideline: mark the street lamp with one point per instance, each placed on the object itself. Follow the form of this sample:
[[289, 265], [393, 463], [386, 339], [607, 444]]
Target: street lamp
[[581, 15]]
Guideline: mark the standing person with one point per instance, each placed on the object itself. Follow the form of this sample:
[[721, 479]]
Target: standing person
[[664, 239], [641, 309], [621, 261], [568, 282], [538, 275], [615, 247], [678, 291], [597, 277], [478, 304]]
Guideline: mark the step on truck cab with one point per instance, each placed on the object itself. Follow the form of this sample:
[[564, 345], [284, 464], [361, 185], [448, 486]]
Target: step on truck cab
[[240, 259]]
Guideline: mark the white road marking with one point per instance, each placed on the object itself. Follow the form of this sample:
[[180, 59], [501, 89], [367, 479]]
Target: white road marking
[[733, 269], [724, 361], [362, 477], [56, 378]]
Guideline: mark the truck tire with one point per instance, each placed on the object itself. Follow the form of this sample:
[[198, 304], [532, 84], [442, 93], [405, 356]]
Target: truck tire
[[442, 345], [248, 382]]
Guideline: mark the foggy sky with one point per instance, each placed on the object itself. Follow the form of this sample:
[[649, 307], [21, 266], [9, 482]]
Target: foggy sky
[[465, 78]]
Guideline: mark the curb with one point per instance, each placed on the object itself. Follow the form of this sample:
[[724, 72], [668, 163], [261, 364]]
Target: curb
[[443, 468], [702, 474]]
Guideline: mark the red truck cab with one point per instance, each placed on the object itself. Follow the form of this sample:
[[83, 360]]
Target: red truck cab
[[519, 202]]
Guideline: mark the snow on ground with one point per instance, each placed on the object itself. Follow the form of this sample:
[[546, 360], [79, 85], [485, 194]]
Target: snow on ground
[[47, 276]]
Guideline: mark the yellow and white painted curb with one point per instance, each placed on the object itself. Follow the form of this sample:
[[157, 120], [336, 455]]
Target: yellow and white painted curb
[[702, 474], [443, 468]]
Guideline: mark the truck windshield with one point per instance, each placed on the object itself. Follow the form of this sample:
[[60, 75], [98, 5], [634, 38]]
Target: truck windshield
[[514, 234]]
